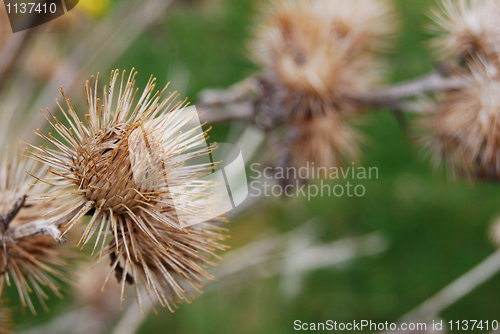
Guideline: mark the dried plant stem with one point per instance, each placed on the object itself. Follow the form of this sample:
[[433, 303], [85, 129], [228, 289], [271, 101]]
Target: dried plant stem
[[238, 102], [456, 290], [41, 226], [431, 83], [239, 92], [227, 113], [234, 104], [45, 226]]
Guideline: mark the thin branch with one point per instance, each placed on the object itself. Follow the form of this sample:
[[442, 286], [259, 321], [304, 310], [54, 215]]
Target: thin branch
[[243, 112], [39, 227], [46, 226], [245, 90], [238, 103], [455, 291], [234, 104], [431, 83]]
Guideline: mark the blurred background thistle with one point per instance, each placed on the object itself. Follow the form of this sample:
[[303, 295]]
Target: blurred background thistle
[[463, 124], [318, 57], [309, 81]]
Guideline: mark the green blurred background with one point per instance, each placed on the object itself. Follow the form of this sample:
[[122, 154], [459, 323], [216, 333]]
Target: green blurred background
[[437, 228]]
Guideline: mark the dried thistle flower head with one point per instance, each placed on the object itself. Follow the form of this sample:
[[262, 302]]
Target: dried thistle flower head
[[318, 54], [128, 166], [467, 27], [32, 261], [463, 128], [326, 141]]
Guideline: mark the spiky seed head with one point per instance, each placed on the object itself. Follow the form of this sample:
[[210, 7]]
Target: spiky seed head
[[318, 54], [34, 263], [467, 28], [327, 141], [129, 163], [462, 131]]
